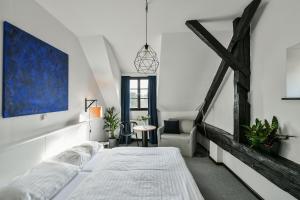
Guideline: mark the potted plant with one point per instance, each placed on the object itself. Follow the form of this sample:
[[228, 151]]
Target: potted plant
[[144, 119], [265, 136], [111, 123]]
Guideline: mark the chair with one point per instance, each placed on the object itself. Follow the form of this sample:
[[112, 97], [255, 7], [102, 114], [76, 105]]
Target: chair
[[133, 124], [126, 130], [185, 141]]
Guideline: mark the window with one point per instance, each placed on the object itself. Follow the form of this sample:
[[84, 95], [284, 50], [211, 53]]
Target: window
[[138, 94]]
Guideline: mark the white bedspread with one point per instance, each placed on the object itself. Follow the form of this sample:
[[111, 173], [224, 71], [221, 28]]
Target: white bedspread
[[133, 173]]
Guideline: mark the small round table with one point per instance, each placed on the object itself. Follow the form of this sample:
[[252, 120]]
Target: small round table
[[145, 129]]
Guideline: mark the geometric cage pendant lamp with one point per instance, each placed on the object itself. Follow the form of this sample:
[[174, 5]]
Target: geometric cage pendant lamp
[[146, 61]]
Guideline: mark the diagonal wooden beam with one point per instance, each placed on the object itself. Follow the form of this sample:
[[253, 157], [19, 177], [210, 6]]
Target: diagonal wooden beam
[[215, 45], [240, 32], [245, 20]]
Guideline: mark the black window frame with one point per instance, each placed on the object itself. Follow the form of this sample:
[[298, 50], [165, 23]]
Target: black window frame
[[138, 93]]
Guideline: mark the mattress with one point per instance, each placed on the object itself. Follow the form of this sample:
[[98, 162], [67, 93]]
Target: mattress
[[134, 173]]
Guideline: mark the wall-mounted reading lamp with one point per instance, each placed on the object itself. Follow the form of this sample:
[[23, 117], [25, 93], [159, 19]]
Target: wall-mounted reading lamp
[[96, 111]]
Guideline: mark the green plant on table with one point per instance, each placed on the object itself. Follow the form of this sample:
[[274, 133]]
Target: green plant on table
[[143, 118]]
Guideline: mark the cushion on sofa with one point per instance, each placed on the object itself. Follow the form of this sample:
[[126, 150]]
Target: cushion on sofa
[[186, 125], [181, 138], [171, 126]]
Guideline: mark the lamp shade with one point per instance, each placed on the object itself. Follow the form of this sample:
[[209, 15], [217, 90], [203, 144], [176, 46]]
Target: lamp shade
[[96, 112], [146, 61]]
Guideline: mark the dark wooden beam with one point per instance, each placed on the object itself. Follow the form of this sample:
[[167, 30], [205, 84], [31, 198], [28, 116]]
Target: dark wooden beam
[[241, 85], [245, 20], [240, 31], [280, 171], [215, 45]]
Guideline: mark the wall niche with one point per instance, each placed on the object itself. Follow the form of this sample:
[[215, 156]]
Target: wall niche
[[293, 73]]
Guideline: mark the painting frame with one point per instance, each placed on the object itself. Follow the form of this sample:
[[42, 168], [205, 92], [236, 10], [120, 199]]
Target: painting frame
[[35, 75]]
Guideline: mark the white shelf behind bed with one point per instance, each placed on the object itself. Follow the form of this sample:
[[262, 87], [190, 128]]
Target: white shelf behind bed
[[19, 157]]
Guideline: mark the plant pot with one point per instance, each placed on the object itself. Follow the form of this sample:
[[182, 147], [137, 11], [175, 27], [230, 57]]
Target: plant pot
[[145, 123], [112, 142], [271, 149]]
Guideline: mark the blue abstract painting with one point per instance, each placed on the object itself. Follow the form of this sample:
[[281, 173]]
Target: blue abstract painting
[[35, 75]]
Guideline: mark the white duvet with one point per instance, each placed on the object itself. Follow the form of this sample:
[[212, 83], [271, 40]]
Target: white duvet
[[133, 173]]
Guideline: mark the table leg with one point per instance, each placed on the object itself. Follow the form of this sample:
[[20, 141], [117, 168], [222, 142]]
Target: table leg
[[145, 139]]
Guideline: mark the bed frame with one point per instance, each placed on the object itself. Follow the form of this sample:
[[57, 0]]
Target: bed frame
[[19, 157]]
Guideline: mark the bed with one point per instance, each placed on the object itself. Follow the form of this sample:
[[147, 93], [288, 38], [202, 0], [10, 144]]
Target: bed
[[133, 173], [28, 171]]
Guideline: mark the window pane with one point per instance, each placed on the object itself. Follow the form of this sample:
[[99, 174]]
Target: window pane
[[133, 84], [133, 103], [134, 93], [144, 93], [144, 83], [144, 103]]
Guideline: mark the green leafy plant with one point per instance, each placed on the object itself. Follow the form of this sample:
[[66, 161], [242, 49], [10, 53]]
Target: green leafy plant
[[111, 121], [264, 133], [272, 131], [143, 118], [256, 133]]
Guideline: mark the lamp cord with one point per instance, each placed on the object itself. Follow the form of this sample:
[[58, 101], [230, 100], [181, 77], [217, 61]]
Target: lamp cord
[[90, 125], [146, 22]]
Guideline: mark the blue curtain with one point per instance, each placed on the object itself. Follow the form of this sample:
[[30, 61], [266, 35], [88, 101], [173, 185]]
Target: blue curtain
[[125, 103], [152, 108]]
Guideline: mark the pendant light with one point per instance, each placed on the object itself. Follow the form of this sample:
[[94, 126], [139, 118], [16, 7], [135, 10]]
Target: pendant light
[[146, 61]]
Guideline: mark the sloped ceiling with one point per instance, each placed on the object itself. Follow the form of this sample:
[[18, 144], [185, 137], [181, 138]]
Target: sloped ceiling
[[105, 69], [187, 70], [122, 22]]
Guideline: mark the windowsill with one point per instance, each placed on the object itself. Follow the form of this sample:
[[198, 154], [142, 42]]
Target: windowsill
[[290, 98], [146, 109]]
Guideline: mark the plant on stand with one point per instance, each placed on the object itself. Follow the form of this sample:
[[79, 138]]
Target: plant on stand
[[144, 119], [111, 123], [265, 136]]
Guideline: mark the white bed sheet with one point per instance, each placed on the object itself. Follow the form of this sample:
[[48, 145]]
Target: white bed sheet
[[96, 160], [71, 186], [134, 173]]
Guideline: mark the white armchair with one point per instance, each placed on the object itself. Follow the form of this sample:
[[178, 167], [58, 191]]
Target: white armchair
[[185, 141]]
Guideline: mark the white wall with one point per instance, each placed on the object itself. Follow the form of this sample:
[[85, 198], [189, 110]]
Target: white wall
[[293, 72], [220, 113], [269, 46], [275, 31], [29, 16], [104, 66], [163, 115], [27, 154], [186, 71], [115, 68]]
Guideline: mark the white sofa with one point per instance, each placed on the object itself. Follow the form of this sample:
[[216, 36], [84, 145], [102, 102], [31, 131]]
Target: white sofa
[[185, 141]]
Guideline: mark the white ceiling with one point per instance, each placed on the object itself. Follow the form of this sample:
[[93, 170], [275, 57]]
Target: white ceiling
[[122, 22]]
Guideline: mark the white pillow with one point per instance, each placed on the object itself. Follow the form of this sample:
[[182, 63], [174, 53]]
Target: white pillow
[[91, 146], [76, 157], [13, 193], [41, 182]]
